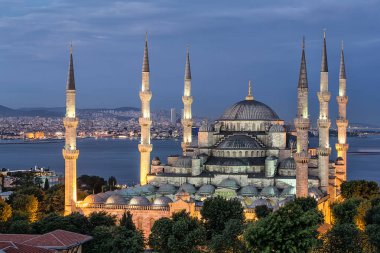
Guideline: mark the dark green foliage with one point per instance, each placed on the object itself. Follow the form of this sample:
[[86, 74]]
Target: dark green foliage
[[228, 240], [346, 211], [182, 233], [93, 184], [262, 211], [359, 189], [101, 219], [74, 222], [55, 199], [343, 238], [46, 184], [306, 203], [372, 229], [20, 227], [127, 222], [290, 229]]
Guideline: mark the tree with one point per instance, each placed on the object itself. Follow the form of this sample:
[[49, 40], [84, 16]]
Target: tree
[[5, 211], [112, 182], [182, 233], [46, 184], [346, 211], [101, 219], [91, 183], [372, 220], [290, 229], [359, 189], [20, 227], [127, 222], [74, 222], [262, 211], [27, 204], [55, 199]]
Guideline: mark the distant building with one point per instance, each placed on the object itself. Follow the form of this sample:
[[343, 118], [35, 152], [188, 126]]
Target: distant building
[[173, 116]]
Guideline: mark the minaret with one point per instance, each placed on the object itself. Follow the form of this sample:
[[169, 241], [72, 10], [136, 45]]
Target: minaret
[[70, 152], [302, 125], [145, 147], [341, 122], [324, 122], [187, 99]]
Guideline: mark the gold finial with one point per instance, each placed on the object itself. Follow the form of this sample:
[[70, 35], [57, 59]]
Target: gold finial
[[249, 96], [324, 33]]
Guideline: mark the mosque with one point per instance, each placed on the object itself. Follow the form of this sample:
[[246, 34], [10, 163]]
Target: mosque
[[247, 153]]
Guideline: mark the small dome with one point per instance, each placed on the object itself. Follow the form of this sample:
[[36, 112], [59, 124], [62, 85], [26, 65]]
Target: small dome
[[116, 200], [128, 192], [276, 128], [166, 189], [229, 183], [102, 195], [139, 201], [240, 142], [189, 188], [260, 202], [249, 191], [93, 199], [162, 201], [183, 162], [109, 193], [206, 127], [289, 191], [206, 189], [148, 189], [315, 192], [249, 110], [282, 203], [156, 161], [288, 164], [269, 191]]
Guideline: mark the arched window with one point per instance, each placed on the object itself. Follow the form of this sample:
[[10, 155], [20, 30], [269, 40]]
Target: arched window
[[246, 153], [252, 153], [139, 223], [240, 154], [233, 154], [228, 153]]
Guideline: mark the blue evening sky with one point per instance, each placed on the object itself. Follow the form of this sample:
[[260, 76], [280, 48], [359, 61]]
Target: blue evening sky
[[230, 43]]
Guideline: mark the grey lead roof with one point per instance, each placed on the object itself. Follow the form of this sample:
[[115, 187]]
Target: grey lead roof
[[302, 81], [187, 67], [342, 71], [145, 67], [324, 66], [236, 142], [70, 77], [249, 110]]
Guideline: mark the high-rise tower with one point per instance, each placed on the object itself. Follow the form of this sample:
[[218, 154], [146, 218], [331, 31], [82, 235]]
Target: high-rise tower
[[324, 122], [145, 147], [70, 152], [187, 99], [302, 125], [342, 122]]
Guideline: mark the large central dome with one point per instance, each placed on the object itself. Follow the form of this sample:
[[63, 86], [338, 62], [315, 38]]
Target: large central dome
[[249, 110]]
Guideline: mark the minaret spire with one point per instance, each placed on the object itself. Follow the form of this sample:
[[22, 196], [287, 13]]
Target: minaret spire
[[187, 99], [249, 96], [302, 124], [324, 123], [342, 123], [70, 153], [145, 147]]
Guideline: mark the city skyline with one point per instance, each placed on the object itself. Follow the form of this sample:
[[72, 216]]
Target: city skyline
[[227, 50]]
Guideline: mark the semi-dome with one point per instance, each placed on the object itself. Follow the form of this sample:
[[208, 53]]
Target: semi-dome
[[116, 200], [288, 164], [269, 191], [93, 199], [249, 191], [139, 201], [276, 128], [166, 189], [189, 188], [206, 189], [162, 201], [239, 142], [249, 110], [229, 183]]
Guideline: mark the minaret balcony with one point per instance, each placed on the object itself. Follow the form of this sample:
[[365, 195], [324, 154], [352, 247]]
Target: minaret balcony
[[324, 123], [187, 100], [145, 148], [341, 122], [145, 95], [187, 122], [341, 147], [70, 122], [302, 157], [324, 96], [342, 99], [324, 151], [302, 123], [70, 154], [145, 122]]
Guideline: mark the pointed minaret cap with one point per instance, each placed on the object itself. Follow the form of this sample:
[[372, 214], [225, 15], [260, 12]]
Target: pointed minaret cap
[[302, 81], [324, 67], [70, 76], [249, 96], [187, 67], [342, 71], [145, 67]]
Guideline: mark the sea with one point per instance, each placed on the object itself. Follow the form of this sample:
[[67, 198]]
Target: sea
[[120, 157]]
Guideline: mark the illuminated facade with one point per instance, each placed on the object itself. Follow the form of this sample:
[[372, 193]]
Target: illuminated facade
[[187, 99], [70, 152]]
